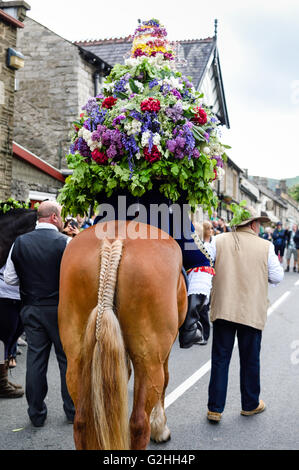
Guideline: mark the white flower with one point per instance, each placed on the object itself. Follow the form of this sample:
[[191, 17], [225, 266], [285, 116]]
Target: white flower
[[206, 150], [133, 127], [220, 173], [145, 138], [108, 86], [174, 83], [156, 139]]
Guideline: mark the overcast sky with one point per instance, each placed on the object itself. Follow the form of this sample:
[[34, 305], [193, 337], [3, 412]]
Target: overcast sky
[[258, 44]]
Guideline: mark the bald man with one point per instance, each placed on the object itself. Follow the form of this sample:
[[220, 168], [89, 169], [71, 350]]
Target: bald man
[[34, 264]]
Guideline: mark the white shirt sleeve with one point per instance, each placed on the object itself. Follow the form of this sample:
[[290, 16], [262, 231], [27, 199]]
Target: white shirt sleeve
[[10, 275], [275, 270]]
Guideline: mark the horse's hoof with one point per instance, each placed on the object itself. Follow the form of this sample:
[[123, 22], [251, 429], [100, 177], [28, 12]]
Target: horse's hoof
[[164, 437]]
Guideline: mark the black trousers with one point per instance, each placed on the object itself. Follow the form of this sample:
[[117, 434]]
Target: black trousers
[[11, 326], [41, 328], [249, 343]]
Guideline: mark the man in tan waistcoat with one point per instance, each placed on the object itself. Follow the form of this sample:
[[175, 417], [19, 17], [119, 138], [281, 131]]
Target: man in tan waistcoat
[[244, 264]]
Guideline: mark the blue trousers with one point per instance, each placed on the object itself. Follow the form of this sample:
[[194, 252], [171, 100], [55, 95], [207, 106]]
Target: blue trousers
[[249, 343]]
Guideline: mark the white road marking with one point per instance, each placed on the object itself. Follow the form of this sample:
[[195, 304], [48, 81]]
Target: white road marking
[[188, 383], [297, 283]]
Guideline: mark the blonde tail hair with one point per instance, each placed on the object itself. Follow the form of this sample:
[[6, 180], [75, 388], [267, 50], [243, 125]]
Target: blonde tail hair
[[109, 375]]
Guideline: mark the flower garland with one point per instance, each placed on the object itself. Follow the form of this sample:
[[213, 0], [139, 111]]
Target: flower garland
[[148, 124]]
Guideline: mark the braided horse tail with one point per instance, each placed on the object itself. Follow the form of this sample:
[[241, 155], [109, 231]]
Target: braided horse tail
[[109, 376]]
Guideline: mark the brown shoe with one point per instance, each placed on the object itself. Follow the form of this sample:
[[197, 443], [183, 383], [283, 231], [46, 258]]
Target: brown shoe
[[259, 409], [214, 416]]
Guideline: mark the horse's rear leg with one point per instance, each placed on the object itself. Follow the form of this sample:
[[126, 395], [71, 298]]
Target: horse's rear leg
[[159, 429], [148, 391]]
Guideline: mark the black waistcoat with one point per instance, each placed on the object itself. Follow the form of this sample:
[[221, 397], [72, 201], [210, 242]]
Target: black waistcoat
[[37, 257]]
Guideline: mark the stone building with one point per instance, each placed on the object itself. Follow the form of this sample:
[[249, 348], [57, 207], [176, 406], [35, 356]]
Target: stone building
[[58, 79], [11, 21]]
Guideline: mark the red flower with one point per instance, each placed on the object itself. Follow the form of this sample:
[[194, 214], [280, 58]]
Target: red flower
[[109, 102], [99, 157], [150, 105], [200, 116], [138, 53], [152, 156]]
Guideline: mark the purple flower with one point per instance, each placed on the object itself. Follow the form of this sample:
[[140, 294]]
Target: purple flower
[[83, 148], [118, 119], [120, 86], [153, 83], [183, 143], [176, 93], [219, 160], [91, 105], [175, 113]]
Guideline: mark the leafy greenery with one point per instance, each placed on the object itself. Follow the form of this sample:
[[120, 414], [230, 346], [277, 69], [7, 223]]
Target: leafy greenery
[[294, 192], [240, 213], [9, 204]]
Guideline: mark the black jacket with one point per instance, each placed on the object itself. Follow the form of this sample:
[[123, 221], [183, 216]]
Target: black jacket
[[37, 256], [296, 239]]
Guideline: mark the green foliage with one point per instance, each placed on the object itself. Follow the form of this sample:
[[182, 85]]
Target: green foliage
[[240, 213], [294, 192], [9, 204]]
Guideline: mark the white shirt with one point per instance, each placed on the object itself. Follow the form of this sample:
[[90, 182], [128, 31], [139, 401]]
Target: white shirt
[[10, 275], [201, 282], [275, 270], [6, 291]]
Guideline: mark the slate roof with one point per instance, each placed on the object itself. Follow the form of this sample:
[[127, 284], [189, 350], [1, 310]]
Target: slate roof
[[195, 52]]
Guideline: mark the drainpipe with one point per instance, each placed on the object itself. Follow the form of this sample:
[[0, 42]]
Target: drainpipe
[[96, 79]]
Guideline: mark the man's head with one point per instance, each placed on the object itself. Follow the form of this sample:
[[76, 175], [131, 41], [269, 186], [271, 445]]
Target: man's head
[[50, 212], [255, 226], [295, 228]]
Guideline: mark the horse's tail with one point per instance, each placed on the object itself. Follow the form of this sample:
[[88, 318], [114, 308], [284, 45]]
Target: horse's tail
[[109, 376]]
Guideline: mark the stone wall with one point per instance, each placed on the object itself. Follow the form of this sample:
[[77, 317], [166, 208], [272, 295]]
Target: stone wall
[[53, 86], [8, 34], [26, 178]]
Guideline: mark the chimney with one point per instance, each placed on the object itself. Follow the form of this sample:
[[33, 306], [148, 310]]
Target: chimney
[[283, 186], [17, 9]]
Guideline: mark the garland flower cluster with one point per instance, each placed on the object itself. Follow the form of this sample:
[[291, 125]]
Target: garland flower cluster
[[149, 124]]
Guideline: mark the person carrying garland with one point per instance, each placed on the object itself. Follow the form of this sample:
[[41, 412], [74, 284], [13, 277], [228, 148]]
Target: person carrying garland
[[150, 137]]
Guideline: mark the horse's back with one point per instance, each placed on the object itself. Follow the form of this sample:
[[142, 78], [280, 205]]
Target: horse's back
[[149, 267]]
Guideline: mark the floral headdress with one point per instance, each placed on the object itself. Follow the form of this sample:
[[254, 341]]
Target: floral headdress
[[148, 124]]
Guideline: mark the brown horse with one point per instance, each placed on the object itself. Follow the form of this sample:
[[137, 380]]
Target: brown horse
[[121, 302]]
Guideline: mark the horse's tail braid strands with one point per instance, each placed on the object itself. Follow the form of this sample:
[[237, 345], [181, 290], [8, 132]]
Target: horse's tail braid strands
[[109, 369]]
